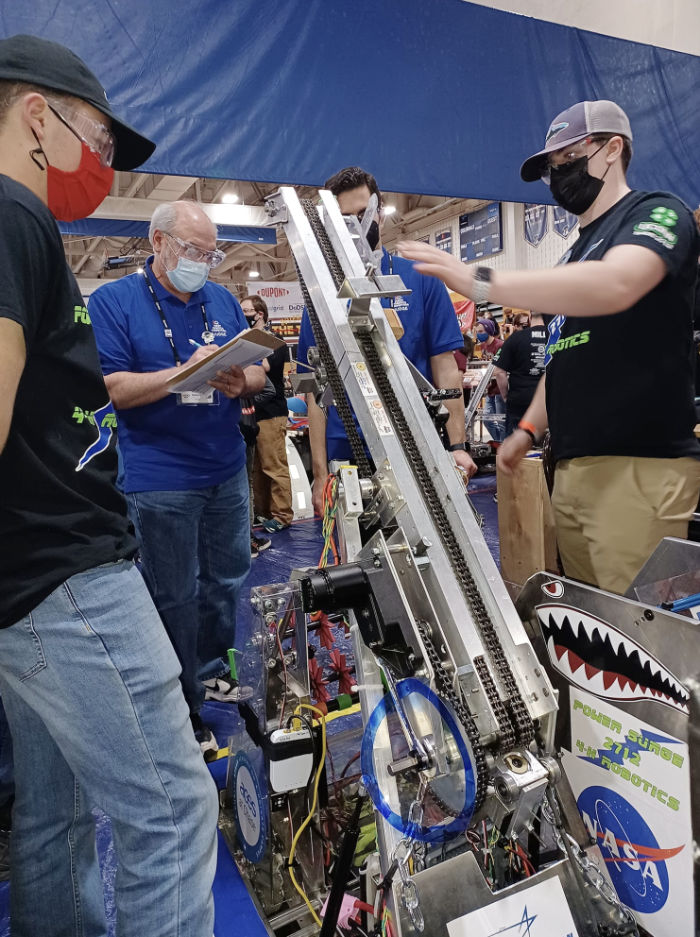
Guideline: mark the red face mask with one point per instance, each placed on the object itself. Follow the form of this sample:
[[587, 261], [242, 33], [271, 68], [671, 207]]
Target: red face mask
[[76, 194]]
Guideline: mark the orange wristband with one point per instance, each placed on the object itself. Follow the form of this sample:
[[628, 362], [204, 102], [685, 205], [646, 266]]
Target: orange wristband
[[528, 427]]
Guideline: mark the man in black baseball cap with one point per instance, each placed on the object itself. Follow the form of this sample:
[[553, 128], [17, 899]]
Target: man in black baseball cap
[[628, 464], [88, 677], [585, 119], [31, 60]]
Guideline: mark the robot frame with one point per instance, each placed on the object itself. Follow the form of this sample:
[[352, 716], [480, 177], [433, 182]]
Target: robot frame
[[461, 747]]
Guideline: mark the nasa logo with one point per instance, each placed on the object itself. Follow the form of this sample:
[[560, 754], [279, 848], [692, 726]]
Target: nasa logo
[[553, 589], [635, 862]]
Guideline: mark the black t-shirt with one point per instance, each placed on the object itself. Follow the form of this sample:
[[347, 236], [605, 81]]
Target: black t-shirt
[[522, 356], [277, 406], [613, 387], [60, 513]]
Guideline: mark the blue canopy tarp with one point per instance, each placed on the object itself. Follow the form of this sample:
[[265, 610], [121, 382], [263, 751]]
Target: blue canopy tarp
[[440, 97]]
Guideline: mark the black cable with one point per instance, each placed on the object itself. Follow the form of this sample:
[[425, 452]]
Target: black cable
[[342, 871], [357, 930]]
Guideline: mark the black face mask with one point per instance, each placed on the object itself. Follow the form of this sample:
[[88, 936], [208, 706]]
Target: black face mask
[[573, 187], [251, 320], [373, 236]]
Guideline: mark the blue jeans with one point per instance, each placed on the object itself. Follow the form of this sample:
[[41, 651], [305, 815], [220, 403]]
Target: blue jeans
[[497, 429], [195, 553], [90, 685], [7, 771]]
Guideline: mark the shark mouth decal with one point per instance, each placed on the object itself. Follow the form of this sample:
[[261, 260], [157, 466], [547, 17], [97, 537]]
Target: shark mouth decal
[[593, 655]]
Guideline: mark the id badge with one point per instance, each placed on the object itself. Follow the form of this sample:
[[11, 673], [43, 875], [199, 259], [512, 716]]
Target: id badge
[[191, 399]]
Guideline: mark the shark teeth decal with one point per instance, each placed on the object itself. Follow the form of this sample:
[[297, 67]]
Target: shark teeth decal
[[594, 655]]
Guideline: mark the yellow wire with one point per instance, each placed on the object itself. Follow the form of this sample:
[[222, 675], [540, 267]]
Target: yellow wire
[[319, 771]]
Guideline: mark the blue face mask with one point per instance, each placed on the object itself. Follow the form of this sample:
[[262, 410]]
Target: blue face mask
[[482, 336], [188, 276]]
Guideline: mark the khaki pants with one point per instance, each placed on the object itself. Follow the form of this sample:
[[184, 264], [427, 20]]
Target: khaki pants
[[611, 513], [271, 483]]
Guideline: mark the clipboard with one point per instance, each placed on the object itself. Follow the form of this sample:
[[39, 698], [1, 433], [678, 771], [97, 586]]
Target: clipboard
[[248, 347]]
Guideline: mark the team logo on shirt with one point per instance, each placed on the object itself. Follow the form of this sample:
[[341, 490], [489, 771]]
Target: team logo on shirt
[[105, 421], [571, 341], [657, 231], [218, 329], [664, 216], [80, 314]]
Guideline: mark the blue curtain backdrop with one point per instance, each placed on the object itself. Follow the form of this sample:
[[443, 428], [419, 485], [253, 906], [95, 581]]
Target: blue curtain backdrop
[[434, 96]]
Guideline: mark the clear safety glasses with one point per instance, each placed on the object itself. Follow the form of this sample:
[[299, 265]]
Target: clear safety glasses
[[192, 252], [562, 157], [94, 134]]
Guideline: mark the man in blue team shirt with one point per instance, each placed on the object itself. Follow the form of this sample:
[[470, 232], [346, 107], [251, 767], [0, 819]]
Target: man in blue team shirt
[[184, 457], [431, 334]]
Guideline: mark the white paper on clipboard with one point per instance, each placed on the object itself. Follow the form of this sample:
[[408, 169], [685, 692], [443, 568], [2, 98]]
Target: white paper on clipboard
[[245, 349]]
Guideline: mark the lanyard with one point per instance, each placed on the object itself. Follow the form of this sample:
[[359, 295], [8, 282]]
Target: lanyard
[[207, 334], [390, 260]]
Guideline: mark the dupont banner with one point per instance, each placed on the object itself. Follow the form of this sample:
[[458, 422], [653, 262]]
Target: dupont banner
[[285, 305], [535, 223]]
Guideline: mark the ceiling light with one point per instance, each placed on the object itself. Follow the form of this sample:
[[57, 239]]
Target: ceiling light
[[229, 198], [253, 273], [389, 209]]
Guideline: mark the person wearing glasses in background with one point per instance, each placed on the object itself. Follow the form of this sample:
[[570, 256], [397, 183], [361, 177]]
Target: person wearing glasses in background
[[184, 457], [627, 462], [88, 677]]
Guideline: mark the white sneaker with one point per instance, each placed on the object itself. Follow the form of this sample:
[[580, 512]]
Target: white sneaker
[[226, 690], [207, 742]]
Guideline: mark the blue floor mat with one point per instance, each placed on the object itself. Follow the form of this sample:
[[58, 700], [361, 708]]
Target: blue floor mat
[[299, 545]]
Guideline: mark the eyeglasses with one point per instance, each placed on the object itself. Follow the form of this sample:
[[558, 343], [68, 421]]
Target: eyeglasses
[[574, 152], [196, 254], [94, 134]]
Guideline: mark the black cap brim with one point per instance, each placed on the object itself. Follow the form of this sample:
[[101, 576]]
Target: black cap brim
[[533, 167], [132, 148]]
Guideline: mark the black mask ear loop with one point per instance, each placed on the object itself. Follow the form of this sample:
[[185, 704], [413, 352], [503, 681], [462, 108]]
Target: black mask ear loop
[[38, 151]]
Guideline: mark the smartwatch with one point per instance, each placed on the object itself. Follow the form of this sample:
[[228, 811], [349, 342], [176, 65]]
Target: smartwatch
[[481, 286]]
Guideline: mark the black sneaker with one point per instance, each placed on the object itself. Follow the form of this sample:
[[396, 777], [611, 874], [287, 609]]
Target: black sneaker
[[261, 543], [225, 689], [207, 742], [253, 547]]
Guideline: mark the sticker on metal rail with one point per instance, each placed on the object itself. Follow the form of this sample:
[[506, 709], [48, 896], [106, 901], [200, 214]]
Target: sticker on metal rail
[[364, 381], [380, 417]]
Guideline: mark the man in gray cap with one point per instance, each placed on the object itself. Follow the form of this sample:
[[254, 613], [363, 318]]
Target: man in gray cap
[[88, 676], [627, 462]]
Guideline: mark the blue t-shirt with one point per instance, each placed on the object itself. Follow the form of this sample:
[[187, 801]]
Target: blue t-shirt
[[166, 446], [430, 328]]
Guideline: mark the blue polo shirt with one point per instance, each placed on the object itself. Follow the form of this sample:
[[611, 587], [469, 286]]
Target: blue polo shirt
[[166, 446], [430, 328]]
